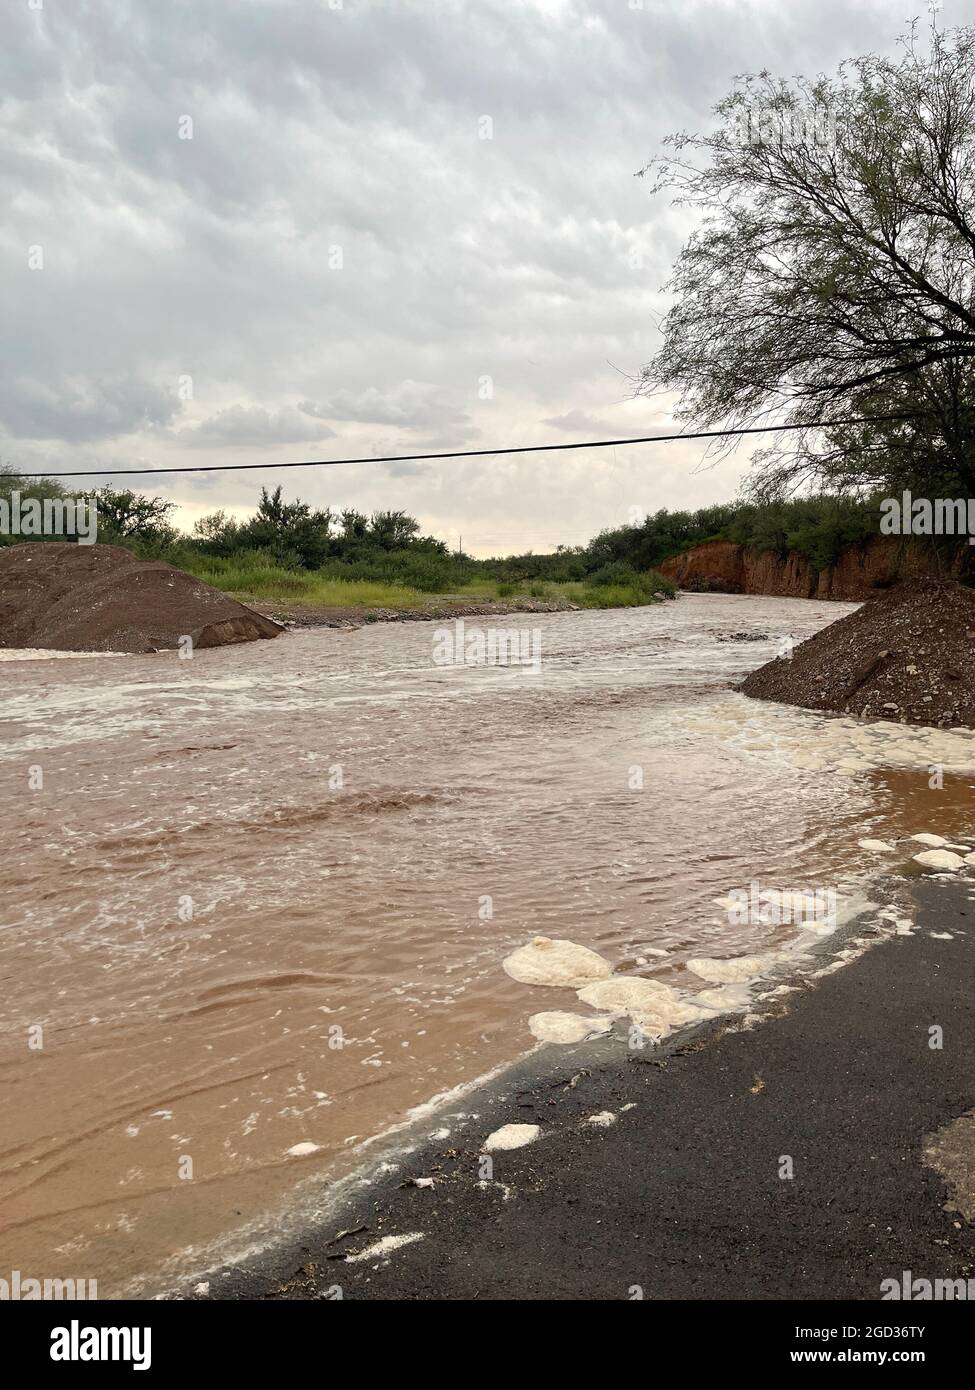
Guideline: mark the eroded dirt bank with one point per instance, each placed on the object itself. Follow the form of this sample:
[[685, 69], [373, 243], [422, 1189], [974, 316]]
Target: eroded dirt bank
[[861, 572]]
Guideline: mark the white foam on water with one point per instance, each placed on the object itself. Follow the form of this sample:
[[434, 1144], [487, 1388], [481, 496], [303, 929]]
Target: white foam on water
[[733, 971], [559, 963], [622, 993], [257, 1235], [939, 859], [48, 654], [728, 999], [656, 1009], [811, 741], [440, 1101], [741, 969], [557, 1027]]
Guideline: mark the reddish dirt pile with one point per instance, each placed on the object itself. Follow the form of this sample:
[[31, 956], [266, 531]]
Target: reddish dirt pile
[[906, 656], [76, 598]]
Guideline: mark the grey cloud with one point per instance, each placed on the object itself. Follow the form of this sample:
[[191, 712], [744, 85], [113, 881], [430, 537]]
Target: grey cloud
[[579, 423], [534, 258], [80, 409], [253, 425], [412, 405]]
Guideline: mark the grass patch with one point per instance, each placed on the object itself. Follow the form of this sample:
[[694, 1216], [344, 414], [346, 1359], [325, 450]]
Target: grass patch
[[617, 586], [262, 580], [609, 595], [256, 578]]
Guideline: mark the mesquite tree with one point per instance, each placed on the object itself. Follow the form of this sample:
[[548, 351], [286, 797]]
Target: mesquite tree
[[833, 272]]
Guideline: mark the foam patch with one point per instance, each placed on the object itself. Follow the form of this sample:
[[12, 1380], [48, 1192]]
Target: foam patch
[[561, 963], [384, 1247], [623, 993], [939, 859], [557, 1027], [732, 971], [511, 1137], [727, 999]]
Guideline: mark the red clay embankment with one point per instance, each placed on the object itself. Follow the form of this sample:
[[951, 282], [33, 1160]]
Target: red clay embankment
[[75, 598], [861, 572]]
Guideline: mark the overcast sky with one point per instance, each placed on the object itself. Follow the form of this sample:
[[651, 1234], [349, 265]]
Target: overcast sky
[[395, 227]]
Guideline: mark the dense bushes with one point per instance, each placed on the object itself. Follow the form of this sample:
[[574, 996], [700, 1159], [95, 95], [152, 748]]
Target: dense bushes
[[819, 528], [387, 548]]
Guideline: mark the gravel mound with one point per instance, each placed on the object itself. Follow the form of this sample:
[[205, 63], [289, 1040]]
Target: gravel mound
[[905, 656], [67, 597]]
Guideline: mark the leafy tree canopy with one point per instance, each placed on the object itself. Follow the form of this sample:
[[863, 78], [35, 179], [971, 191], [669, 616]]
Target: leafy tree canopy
[[833, 274]]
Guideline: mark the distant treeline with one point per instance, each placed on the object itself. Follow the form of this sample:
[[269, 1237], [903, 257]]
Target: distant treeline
[[388, 545], [819, 528]]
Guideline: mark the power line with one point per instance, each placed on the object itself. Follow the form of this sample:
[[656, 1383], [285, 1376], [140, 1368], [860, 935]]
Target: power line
[[473, 453]]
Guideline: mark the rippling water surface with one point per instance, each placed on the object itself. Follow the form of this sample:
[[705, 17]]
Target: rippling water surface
[[238, 862]]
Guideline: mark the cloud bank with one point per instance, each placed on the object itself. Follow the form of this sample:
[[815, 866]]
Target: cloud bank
[[268, 229]]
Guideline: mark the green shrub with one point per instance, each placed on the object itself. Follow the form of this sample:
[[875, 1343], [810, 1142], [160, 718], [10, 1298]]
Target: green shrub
[[617, 573]]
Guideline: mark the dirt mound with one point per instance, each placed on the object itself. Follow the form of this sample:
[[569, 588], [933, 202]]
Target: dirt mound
[[76, 598], [907, 656]]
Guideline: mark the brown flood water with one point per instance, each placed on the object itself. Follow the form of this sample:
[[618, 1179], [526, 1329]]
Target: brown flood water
[[237, 862]]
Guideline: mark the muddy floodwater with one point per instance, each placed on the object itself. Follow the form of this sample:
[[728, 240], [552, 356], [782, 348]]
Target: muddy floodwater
[[255, 904]]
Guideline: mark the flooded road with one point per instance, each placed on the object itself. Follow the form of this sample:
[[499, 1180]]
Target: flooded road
[[255, 904]]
